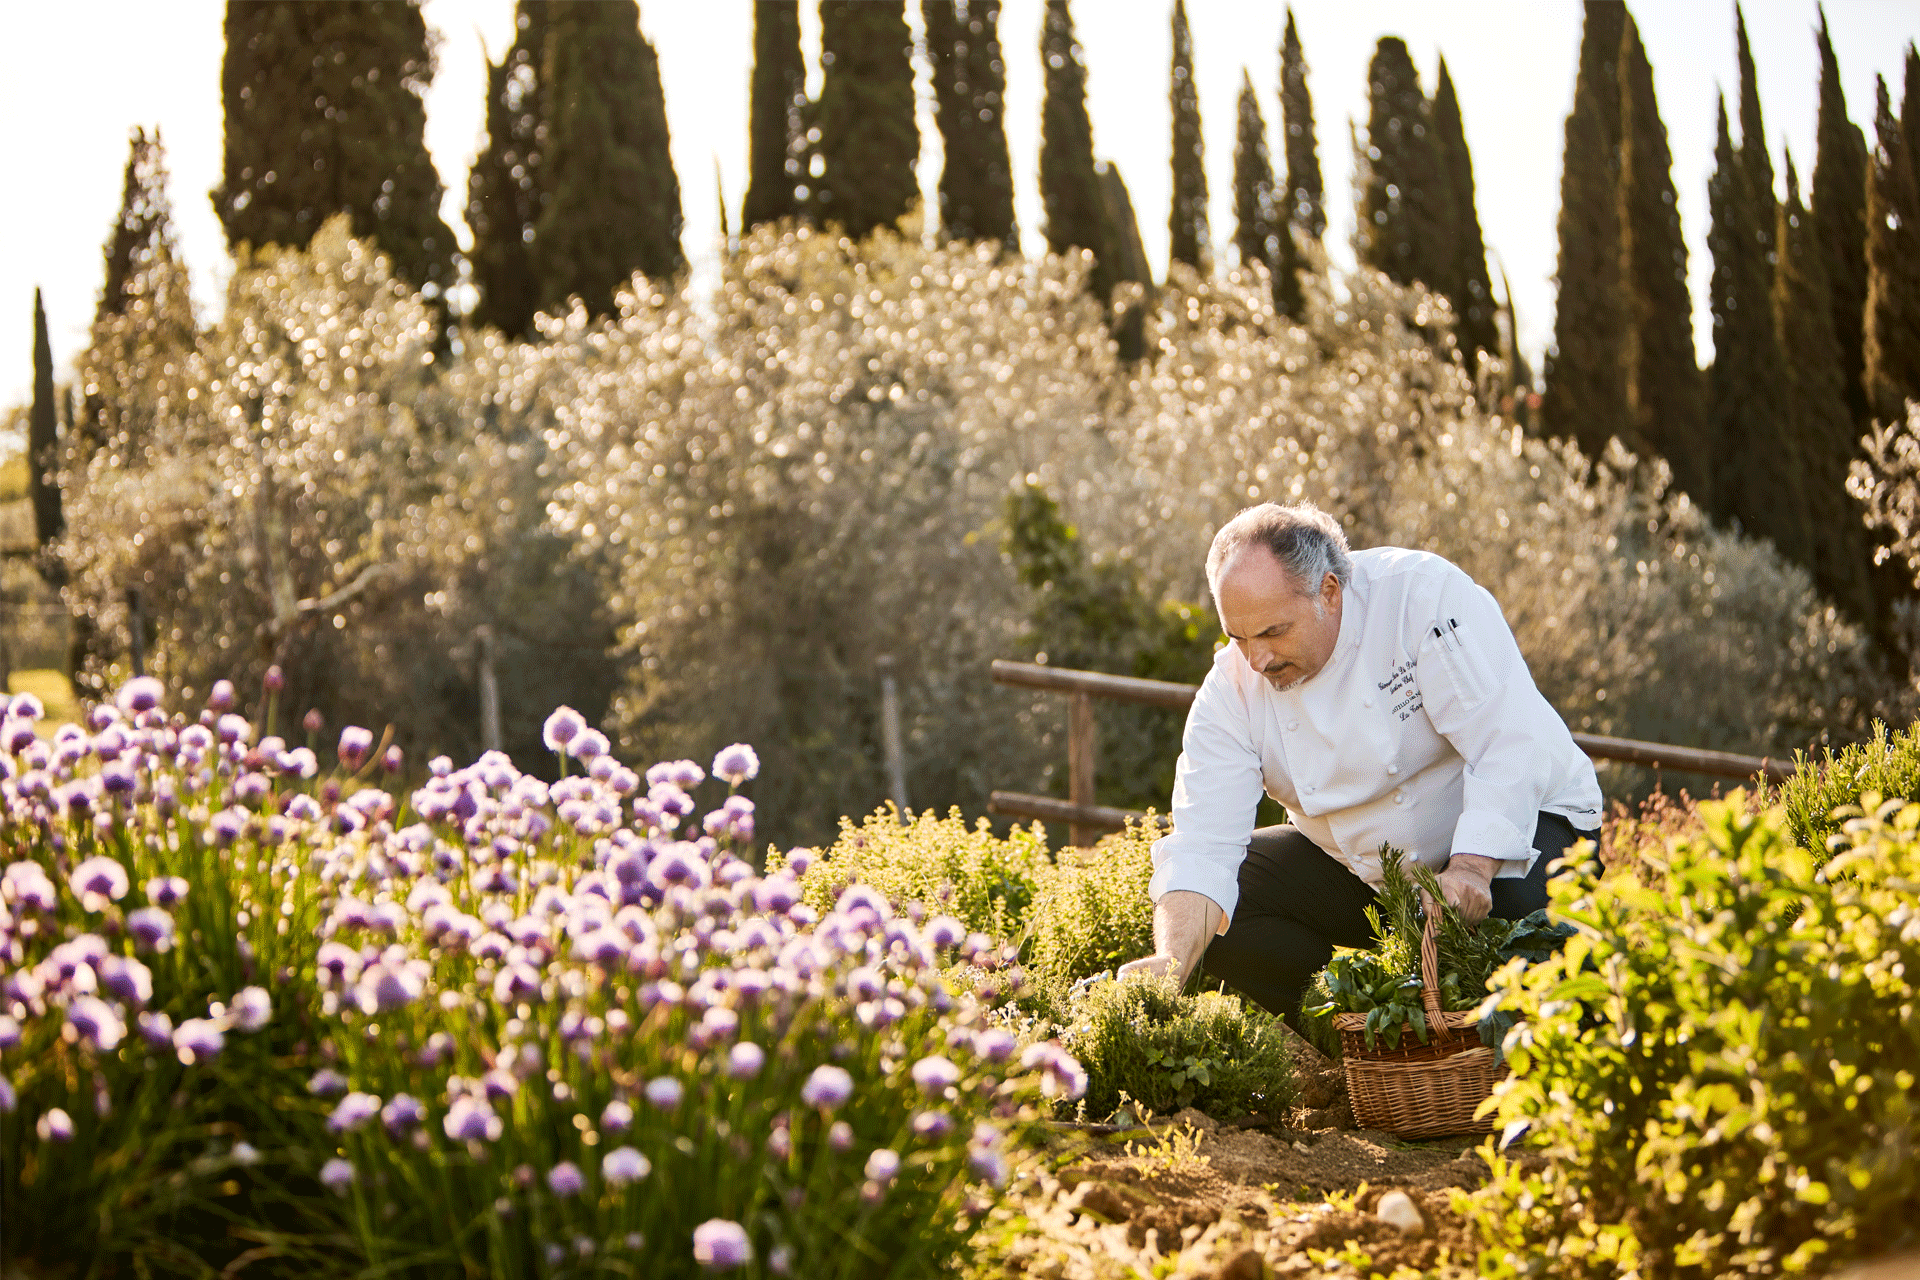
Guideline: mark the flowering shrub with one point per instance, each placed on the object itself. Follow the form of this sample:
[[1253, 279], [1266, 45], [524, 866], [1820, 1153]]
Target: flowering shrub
[[1721, 1072], [1816, 796], [542, 1029]]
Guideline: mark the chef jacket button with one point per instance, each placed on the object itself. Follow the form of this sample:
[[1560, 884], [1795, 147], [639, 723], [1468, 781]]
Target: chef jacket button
[[1309, 790], [1399, 797], [1292, 725], [1392, 769], [1366, 702]]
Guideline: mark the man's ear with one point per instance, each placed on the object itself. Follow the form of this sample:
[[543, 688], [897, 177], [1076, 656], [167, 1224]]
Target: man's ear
[[1330, 589]]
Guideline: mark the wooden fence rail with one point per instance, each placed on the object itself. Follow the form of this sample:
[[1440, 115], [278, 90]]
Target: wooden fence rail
[[1086, 820]]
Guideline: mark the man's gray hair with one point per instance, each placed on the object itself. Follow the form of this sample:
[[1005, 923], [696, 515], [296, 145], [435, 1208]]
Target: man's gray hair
[[1308, 543]]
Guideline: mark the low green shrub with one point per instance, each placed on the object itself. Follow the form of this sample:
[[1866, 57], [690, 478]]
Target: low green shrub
[[1888, 765], [1721, 1066], [1082, 914], [1139, 1036]]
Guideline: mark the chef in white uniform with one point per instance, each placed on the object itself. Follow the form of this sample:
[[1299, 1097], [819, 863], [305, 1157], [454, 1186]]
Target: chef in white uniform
[[1380, 698]]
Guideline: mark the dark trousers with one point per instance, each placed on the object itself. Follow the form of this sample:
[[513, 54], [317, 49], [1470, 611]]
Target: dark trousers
[[1297, 903]]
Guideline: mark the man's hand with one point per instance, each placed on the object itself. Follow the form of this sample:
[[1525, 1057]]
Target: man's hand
[[1467, 883], [1183, 923]]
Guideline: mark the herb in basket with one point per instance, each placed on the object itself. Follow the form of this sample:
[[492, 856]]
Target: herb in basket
[[1385, 984]]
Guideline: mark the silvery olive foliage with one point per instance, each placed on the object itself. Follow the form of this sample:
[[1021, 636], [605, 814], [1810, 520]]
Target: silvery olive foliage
[[751, 495], [1888, 482]]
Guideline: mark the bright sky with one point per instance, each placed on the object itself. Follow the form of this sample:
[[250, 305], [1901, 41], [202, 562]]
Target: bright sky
[[1512, 61]]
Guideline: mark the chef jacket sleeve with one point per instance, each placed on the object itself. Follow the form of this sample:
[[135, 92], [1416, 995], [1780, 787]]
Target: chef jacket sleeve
[[1482, 699], [1216, 792]]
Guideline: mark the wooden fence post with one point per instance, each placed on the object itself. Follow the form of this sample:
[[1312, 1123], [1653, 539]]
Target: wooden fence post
[[890, 735], [1080, 765], [136, 632], [489, 691]]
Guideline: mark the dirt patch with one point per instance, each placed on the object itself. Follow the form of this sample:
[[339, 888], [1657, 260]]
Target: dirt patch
[[1242, 1204]]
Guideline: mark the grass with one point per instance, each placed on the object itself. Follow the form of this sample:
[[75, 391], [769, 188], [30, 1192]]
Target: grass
[[54, 692]]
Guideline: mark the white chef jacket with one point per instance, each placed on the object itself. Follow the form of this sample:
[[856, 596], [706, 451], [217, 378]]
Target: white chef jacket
[[1424, 731]]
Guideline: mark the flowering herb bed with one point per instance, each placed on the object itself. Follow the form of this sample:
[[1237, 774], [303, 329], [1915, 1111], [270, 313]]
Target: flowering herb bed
[[493, 1025]]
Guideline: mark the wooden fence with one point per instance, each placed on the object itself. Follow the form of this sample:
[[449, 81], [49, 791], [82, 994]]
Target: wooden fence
[[1086, 820]]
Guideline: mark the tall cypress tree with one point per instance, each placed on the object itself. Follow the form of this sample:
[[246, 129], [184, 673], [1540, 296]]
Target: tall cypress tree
[[1305, 200], [506, 189], [1760, 477], [613, 204], [1586, 392], [777, 117], [324, 115], [144, 325], [1840, 220], [1406, 210], [1665, 396], [1817, 408], [1188, 237], [1069, 183], [1518, 399], [868, 136], [969, 92], [1467, 284], [1890, 346], [43, 441], [1261, 230]]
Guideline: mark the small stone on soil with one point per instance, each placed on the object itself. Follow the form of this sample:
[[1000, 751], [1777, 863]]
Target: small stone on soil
[[1398, 1211]]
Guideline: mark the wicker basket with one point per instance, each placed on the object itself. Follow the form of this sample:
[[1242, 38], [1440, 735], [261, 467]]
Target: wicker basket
[[1420, 1090]]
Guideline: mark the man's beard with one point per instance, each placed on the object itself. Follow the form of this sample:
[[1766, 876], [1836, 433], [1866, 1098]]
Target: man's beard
[[1288, 687]]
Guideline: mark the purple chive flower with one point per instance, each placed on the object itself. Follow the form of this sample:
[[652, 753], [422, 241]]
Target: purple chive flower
[[221, 697], [151, 928], [988, 1164], [995, 1044], [166, 891], [355, 743], [156, 1029], [470, 1119], [26, 884], [252, 1009], [403, 1114], [745, 1059], [883, 1166], [737, 764], [562, 727], [297, 763], [142, 693], [617, 1118], [226, 826], [8, 1098], [26, 706], [232, 728], [125, 979], [336, 1175], [720, 1245], [313, 721], [932, 1125], [353, 1111], [588, 744], [386, 986], [935, 1075], [665, 1092], [9, 1033], [565, 1179], [840, 1136], [55, 1126], [275, 679], [828, 1088], [199, 1038], [98, 881], [393, 759], [96, 1022], [119, 778], [327, 1083], [623, 1165]]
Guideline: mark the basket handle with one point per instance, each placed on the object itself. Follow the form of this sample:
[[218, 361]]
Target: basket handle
[[1430, 975]]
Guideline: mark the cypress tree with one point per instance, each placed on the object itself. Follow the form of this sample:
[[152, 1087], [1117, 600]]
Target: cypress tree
[[613, 203], [1127, 254], [1406, 209], [1188, 240], [969, 91], [1519, 390], [1754, 155], [1468, 284], [868, 137], [1585, 398], [506, 189], [43, 442], [1817, 408], [1069, 184], [145, 315], [777, 119], [1890, 344], [1840, 220], [324, 115], [1759, 476], [1665, 397], [1305, 198], [1261, 231]]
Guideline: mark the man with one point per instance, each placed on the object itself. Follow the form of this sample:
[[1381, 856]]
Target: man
[[1380, 698]]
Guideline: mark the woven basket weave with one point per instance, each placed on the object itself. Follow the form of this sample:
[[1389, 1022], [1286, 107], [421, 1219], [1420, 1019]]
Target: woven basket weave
[[1420, 1090]]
